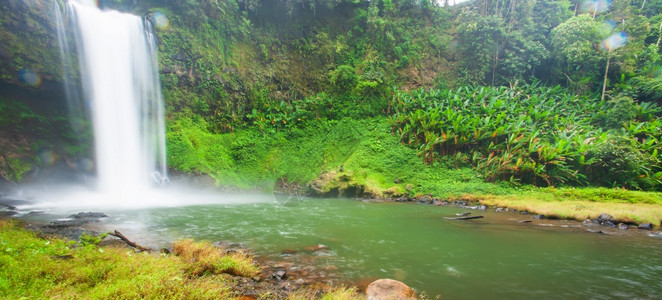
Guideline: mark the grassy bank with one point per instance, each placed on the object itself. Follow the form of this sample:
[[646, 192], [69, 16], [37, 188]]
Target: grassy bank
[[363, 158], [37, 267], [582, 203]]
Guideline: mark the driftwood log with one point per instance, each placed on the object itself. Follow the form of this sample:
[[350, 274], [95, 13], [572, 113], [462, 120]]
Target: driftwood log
[[463, 218], [119, 235]]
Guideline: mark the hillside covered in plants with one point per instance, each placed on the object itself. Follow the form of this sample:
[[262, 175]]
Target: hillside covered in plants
[[372, 98]]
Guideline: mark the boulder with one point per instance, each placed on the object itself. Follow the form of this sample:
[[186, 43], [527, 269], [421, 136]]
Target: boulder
[[604, 218], [646, 226], [389, 289], [425, 200]]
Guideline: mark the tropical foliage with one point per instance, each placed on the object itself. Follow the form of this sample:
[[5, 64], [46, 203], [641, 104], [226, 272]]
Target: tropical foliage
[[534, 134]]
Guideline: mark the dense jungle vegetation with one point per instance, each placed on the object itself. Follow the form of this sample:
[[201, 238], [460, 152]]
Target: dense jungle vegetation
[[379, 98]]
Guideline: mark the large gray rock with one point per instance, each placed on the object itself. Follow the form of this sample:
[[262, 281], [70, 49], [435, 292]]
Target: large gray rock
[[646, 226], [389, 289], [604, 218]]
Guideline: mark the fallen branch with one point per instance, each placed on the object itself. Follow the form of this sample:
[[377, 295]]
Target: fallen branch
[[464, 218], [119, 235]]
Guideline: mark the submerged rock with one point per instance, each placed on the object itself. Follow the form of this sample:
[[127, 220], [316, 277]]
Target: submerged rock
[[539, 217], [7, 213], [389, 289], [622, 226], [315, 248], [88, 215]]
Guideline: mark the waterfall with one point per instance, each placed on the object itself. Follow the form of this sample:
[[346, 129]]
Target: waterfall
[[120, 87]]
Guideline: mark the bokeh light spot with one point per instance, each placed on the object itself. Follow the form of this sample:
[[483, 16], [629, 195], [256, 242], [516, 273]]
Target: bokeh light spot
[[161, 20], [85, 164], [47, 158], [615, 41], [30, 78]]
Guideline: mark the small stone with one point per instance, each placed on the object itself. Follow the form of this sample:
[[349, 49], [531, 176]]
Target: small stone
[[383, 289], [622, 226], [498, 209], [646, 226], [610, 224], [525, 221], [587, 221], [482, 207], [539, 217], [524, 212], [280, 275], [300, 281], [397, 180]]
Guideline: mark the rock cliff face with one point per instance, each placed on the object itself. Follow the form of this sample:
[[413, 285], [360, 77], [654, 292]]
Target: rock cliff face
[[33, 110], [29, 52]]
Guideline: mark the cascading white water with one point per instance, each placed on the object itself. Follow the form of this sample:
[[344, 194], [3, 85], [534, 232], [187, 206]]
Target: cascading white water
[[118, 70]]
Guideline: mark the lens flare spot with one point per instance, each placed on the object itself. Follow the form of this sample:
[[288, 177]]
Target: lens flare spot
[[85, 164], [47, 158], [615, 41], [594, 6], [30, 78], [161, 20]]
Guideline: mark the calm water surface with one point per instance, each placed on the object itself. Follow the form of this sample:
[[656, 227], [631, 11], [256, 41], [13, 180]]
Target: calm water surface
[[492, 258]]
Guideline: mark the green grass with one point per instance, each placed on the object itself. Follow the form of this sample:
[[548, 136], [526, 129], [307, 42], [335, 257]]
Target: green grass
[[372, 157], [35, 267], [581, 203]]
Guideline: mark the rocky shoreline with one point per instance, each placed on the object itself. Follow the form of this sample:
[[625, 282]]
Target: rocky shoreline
[[605, 220]]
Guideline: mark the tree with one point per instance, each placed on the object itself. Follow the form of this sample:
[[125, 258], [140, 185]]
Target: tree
[[574, 42]]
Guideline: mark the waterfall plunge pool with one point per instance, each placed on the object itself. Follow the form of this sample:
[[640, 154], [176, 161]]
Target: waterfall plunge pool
[[496, 257]]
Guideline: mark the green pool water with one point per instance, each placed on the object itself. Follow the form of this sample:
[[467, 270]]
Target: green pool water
[[491, 258]]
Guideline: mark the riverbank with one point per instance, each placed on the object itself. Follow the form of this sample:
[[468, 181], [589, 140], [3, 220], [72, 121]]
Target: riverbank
[[628, 207], [41, 266]]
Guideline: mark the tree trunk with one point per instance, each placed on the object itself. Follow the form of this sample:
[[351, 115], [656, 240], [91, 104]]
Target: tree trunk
[[496, 61], [576, 7], [659, 37], [604, 84], [643, 4]]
